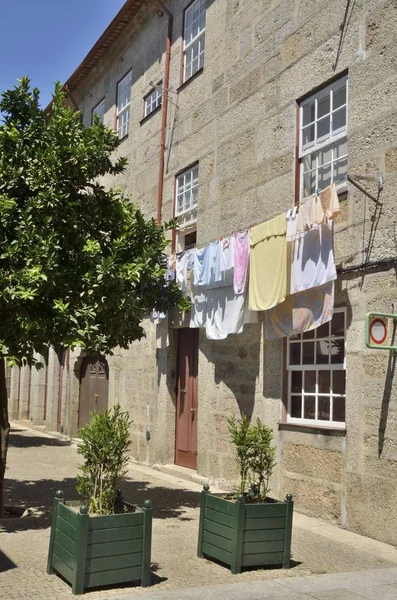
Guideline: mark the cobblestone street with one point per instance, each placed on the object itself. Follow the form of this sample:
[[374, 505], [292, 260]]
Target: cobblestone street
[[38, 465]]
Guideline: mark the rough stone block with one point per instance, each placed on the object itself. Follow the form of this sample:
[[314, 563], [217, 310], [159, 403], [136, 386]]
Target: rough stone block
[[313, 462]]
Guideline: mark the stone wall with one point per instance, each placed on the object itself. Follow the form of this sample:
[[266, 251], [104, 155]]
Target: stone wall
[[238, 119]]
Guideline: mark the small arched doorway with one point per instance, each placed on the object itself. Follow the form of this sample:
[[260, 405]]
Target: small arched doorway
[[94, 387]]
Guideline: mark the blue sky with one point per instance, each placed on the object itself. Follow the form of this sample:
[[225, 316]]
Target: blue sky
[[47, 39]]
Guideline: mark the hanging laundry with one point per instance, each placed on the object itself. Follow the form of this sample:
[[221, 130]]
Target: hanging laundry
[[184, 263], [171, 266], [312, 258], [218, 309], [227, 253], [291, 219], [241, 258], [300, 312], [318, 209], [268, 264], [207, 267]]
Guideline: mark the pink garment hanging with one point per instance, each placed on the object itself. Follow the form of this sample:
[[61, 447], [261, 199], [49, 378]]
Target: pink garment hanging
[[241, 257]]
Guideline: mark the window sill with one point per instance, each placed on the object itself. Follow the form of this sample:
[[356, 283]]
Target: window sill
[[194, 76], [123, 138], [156, 110], [314, 429]]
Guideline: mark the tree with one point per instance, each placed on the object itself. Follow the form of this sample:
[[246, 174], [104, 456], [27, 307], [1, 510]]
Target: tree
[[79, 264]]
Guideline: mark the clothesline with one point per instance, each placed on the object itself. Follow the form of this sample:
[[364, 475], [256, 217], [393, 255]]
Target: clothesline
[[255, 224]]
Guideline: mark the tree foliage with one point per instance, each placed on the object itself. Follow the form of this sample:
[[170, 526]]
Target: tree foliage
[[104, 447], [79, 264]]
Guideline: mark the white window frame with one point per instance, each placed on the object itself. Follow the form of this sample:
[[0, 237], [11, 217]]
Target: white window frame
[[152, 101], [123, 106], [315, 367], [331, 141], [197, 40], [186, 190], [99, 110]]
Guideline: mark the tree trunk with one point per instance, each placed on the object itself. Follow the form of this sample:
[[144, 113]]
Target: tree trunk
[[4, 430]]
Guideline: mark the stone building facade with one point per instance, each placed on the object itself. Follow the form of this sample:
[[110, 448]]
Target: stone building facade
[[237, 118]]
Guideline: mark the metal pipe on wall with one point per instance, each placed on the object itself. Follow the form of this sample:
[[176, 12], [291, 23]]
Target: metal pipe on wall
[[166, 83]]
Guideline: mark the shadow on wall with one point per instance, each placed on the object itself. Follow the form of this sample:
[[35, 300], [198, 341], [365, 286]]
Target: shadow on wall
[[236, 361], [387, 391]]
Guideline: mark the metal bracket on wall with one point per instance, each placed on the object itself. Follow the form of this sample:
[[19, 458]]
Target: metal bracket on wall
[[364, 191]]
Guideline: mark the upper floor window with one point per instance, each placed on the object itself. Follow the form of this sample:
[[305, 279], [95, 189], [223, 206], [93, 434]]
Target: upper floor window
[[316, 372], [123, 104], [186, 190], [99, 110], [323, 138], [194, 38], [152, 101]]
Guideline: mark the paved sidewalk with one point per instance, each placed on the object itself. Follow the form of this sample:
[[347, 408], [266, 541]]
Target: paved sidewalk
[[39, 465]]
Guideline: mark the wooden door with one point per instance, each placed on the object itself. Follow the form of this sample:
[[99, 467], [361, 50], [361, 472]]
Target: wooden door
[[94, 388], [186, 400]]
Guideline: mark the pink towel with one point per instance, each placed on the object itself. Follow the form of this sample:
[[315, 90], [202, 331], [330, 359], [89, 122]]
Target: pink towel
[[241, 255]]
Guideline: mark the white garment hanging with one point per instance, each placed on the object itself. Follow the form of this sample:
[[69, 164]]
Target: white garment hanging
[[312, 258]]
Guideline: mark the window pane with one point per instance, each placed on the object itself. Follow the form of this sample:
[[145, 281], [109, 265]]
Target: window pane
[[323, 331], [338, 324], [309, 183], [307, 136], [296, 381], [308, 334], [310, 382], [323, 107], [325, 156], [309, 408], [308, 353], [296, 407], [339, 120], [340, 149], [337, 351], [323, 408], [308, 114], [324, 382], [339, 382], [295, 354], [339, 410], [324, 177], [340, 170], [323, 128], [309, 162], [322, 352], [339, 98]]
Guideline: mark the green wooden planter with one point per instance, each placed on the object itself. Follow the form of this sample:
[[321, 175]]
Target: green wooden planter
[[245, 535], [90, 551]]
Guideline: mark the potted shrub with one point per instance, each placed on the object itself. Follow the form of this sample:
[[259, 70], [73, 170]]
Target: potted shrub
[[101, 540], [247, 528]]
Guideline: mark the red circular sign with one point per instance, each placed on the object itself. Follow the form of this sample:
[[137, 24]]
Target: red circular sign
[[378, 331]]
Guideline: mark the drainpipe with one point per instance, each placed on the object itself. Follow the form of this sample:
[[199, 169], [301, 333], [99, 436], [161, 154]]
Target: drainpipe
[[164, 110]]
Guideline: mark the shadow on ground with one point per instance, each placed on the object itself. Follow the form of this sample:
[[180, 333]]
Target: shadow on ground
[[6, 564], [167, 503], [32, 441]]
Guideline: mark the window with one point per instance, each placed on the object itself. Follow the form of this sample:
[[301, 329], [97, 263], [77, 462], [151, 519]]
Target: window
[[100, 111], [194, 38], [152, 101], [317, 375], [123, 104], [323, 138], [186, 191]]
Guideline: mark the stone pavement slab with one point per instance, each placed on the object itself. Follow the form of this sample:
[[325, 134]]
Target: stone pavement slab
[[40, 464]]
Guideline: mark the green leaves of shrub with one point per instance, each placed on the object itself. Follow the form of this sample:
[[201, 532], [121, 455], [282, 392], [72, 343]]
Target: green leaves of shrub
[[255, 455], [104, 446]]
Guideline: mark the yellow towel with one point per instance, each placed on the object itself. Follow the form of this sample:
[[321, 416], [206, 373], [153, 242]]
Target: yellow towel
[[268, 264]]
